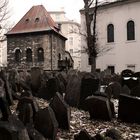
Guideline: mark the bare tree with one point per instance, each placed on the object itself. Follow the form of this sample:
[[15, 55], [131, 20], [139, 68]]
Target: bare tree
[[91, 37], [4, 15], [4, 10]]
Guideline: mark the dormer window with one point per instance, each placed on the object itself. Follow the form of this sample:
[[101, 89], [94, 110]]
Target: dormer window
[[27, 20], [37, 19]]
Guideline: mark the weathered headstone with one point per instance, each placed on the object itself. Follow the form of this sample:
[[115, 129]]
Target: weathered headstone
[[13, 130], [125, 90], [113, 134], [4, 106], [73, 90], [98, 108], [116, 89], [48, 90], [127, 78], [25, 110], [61, 82], [27, 107], [128, 110], [46, 123], [61, 110], [83, 135], [7, 88], [89, 86], [35, 78], [135, 91], [34, 134]]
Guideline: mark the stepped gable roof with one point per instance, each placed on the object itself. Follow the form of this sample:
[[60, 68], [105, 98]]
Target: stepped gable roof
[[35, 20]]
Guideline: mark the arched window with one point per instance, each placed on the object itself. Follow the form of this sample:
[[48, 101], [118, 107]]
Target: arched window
[[29, 55], [40, 54], [59, 56], [17, 55], [130, 30], [110, 33]]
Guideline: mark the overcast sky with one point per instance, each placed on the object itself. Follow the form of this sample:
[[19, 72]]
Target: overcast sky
[[18, 8]]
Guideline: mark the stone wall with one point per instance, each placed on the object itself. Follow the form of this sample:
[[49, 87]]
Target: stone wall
[[52, 44]]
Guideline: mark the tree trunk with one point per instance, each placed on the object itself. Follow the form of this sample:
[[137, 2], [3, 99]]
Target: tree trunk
[[93, 65]]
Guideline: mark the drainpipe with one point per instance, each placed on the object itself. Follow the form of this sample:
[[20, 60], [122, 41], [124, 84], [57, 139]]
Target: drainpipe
[[51, 51]]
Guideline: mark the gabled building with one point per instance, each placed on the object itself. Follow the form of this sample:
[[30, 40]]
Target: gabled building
[[35, 41], [118, 36], [71, 29]]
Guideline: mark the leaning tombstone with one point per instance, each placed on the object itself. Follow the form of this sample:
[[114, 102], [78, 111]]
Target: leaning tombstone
[[61, 110], [98, 108], [128, 109], [46, 123]]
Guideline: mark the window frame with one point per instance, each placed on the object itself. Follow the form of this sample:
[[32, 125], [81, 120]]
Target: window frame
[[130, 30], [110, 33]]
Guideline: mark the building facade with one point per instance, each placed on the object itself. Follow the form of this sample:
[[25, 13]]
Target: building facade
[[71, 30], [118, 36], [35, 41]]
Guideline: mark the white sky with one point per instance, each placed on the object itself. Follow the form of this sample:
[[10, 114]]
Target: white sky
[[18, 8]]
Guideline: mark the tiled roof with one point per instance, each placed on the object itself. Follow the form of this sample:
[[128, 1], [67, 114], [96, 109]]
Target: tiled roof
[[35, 20]]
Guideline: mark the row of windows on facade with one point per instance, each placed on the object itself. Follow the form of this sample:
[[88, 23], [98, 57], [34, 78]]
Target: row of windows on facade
[[40, 55], [130, 31]]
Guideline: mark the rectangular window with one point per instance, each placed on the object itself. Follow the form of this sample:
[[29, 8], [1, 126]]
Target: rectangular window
[[111, 69]]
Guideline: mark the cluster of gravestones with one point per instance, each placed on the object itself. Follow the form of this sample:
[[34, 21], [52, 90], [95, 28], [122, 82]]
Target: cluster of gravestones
[[110, 134], [29, 122], [77, 89]]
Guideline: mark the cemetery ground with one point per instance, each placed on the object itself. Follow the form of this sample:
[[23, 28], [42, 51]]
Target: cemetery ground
[[69, 106], [80, 120]]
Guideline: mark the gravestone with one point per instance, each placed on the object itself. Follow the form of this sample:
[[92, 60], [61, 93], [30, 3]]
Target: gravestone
[[46, 123], [61, 82], [89, 86], [27, 107], [127, 78], [135, 91], [34, 134], [6, 87], [125, 90], [61, 110], [83, 135], [4, 106], [116, 89], [35, 78], [25, 110], [98, 108], [113, 134], [128, 109], [73, 90], [13, 129], [48, 90]]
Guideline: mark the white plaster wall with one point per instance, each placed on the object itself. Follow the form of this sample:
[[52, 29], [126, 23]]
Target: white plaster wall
[[124, 52]]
